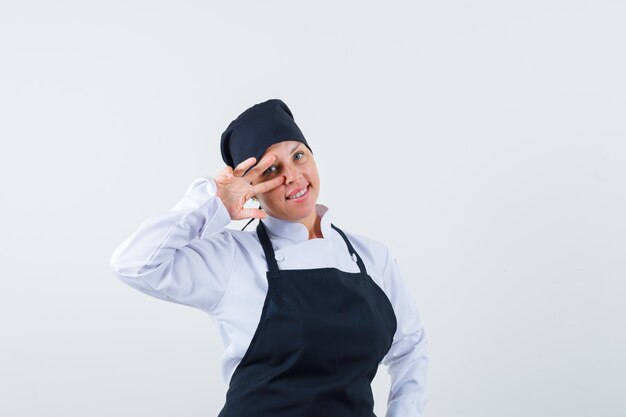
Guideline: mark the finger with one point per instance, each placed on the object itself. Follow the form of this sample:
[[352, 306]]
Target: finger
[[260, 167], [264, 187], [241, 168], [253, 213]]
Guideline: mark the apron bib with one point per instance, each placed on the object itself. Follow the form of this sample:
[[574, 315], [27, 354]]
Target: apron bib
[[321, 336]]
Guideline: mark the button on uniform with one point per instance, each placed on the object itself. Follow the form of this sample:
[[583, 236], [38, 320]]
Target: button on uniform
[[279, 256]]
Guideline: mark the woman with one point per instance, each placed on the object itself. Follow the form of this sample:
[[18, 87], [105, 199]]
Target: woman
[[305, 311]]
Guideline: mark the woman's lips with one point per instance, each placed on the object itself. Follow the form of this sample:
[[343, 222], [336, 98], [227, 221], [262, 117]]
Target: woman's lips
[[302, 197]]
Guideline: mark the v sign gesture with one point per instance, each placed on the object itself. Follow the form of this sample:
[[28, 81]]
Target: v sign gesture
[[235, 190]]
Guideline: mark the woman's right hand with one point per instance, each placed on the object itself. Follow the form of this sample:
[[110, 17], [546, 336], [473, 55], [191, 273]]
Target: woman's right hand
[[235, 190]]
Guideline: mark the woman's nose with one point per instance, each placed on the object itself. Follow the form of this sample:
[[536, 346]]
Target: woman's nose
[[291, 174]]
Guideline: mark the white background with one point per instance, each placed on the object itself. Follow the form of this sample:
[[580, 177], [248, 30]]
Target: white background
[[484, 142]]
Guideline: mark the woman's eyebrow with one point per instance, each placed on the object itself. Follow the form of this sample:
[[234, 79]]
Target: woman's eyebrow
[[295, 147]]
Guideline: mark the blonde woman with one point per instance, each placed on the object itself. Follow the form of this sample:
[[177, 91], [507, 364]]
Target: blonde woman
[[306, 311]]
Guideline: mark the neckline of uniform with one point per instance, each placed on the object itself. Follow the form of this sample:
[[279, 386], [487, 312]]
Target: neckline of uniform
[[296, 231]]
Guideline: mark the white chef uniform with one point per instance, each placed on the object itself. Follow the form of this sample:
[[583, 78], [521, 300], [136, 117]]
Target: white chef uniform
[[189, 256]]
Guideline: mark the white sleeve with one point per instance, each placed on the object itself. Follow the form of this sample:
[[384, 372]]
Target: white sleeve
[[407, 359], [183, 256]]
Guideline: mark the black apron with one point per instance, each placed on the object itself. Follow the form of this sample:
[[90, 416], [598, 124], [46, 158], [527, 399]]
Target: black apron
[[321, 336]]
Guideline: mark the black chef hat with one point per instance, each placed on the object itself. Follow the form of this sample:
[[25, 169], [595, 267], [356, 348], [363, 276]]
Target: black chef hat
[[256, 129]]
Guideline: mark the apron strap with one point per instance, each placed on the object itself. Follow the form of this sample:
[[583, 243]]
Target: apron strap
[[353, 252], [267, 247]]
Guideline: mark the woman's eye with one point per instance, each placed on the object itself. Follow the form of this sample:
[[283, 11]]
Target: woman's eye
[[299, 153], [269, 170]]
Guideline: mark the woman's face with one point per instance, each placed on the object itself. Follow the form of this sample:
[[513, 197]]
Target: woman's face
[[295, 162]]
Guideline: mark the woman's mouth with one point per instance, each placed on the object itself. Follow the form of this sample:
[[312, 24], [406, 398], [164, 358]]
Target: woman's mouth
[[299, 196]]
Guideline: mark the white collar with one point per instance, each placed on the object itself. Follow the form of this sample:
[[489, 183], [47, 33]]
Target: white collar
[[296, 231]]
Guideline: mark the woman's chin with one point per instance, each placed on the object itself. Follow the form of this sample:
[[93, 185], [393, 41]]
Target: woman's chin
[[300, 211]]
